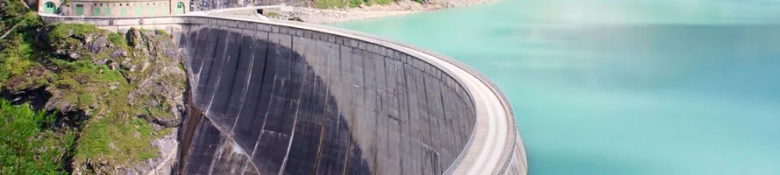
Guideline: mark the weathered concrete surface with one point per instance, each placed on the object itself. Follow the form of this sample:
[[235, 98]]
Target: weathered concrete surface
[[298, 99], [301, 105]]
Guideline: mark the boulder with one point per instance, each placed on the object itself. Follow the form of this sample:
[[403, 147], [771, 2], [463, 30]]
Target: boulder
[[119, 53], [73, 55], [134, 38], [98, 45]]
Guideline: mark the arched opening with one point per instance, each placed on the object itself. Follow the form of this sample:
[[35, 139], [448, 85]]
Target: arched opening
[[49, 8], [180, 8]]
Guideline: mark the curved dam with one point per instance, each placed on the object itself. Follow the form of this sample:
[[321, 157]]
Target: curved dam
[[272, 97]]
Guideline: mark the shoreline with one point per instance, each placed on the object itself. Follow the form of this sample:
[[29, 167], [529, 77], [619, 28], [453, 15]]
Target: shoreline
[[402, 7]]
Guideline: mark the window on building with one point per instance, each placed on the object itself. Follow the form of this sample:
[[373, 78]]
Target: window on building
[[137, 11], [79, 9]]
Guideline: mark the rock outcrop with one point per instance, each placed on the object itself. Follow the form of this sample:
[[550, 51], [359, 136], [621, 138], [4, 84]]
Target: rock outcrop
[[124, 92]]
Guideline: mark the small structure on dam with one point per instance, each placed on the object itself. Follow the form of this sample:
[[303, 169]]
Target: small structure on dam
[[274, 97], [128, 8]]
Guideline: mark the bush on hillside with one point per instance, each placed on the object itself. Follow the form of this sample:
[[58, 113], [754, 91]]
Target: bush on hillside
[[30, 144]]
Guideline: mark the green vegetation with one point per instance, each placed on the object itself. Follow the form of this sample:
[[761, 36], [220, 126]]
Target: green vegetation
[[65, 35], [11, 9], [325, 4], [117, 142], [117, 39], [355, 3], [161, 32], [30, 144], [105, 88], [117, 137], [271, 14], [18, 43], [385, 2]]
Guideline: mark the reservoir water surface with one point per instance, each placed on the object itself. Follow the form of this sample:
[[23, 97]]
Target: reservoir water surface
[[599, 87]]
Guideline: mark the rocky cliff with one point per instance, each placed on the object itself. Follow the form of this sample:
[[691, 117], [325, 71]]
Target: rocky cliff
[[120, 93]]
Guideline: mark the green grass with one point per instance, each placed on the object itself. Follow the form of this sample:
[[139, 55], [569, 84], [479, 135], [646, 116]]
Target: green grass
[[382, 2], [115, 121], [130, 136], [59, 37], [130, 141], [86, 100], [271, 14], [117, 39], [18, 53], [12, 9], [355, 3], [161, 32], [326, 4]]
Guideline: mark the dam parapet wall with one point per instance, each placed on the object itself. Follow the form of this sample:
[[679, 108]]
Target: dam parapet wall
[[283, 97]]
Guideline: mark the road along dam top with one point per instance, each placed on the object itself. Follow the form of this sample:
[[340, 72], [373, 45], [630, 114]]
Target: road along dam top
[[278, 97]]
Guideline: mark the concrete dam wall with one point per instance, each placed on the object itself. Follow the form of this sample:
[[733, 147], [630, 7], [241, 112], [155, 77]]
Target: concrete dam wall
[[299, 105], [271, 97]]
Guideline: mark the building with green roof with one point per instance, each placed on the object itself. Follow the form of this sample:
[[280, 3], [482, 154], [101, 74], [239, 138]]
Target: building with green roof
[[118, 8]]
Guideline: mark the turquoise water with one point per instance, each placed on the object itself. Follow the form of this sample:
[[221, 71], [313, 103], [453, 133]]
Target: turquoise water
[[663, 87]]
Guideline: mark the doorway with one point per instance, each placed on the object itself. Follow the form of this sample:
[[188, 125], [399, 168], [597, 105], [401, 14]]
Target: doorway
[[49, 8], [179, 8]]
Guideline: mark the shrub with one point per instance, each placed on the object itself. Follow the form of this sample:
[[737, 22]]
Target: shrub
[[271, 14], [29, 143], [324, 4], [355, 3], [161, 32], [117, 39], [383, 2]]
